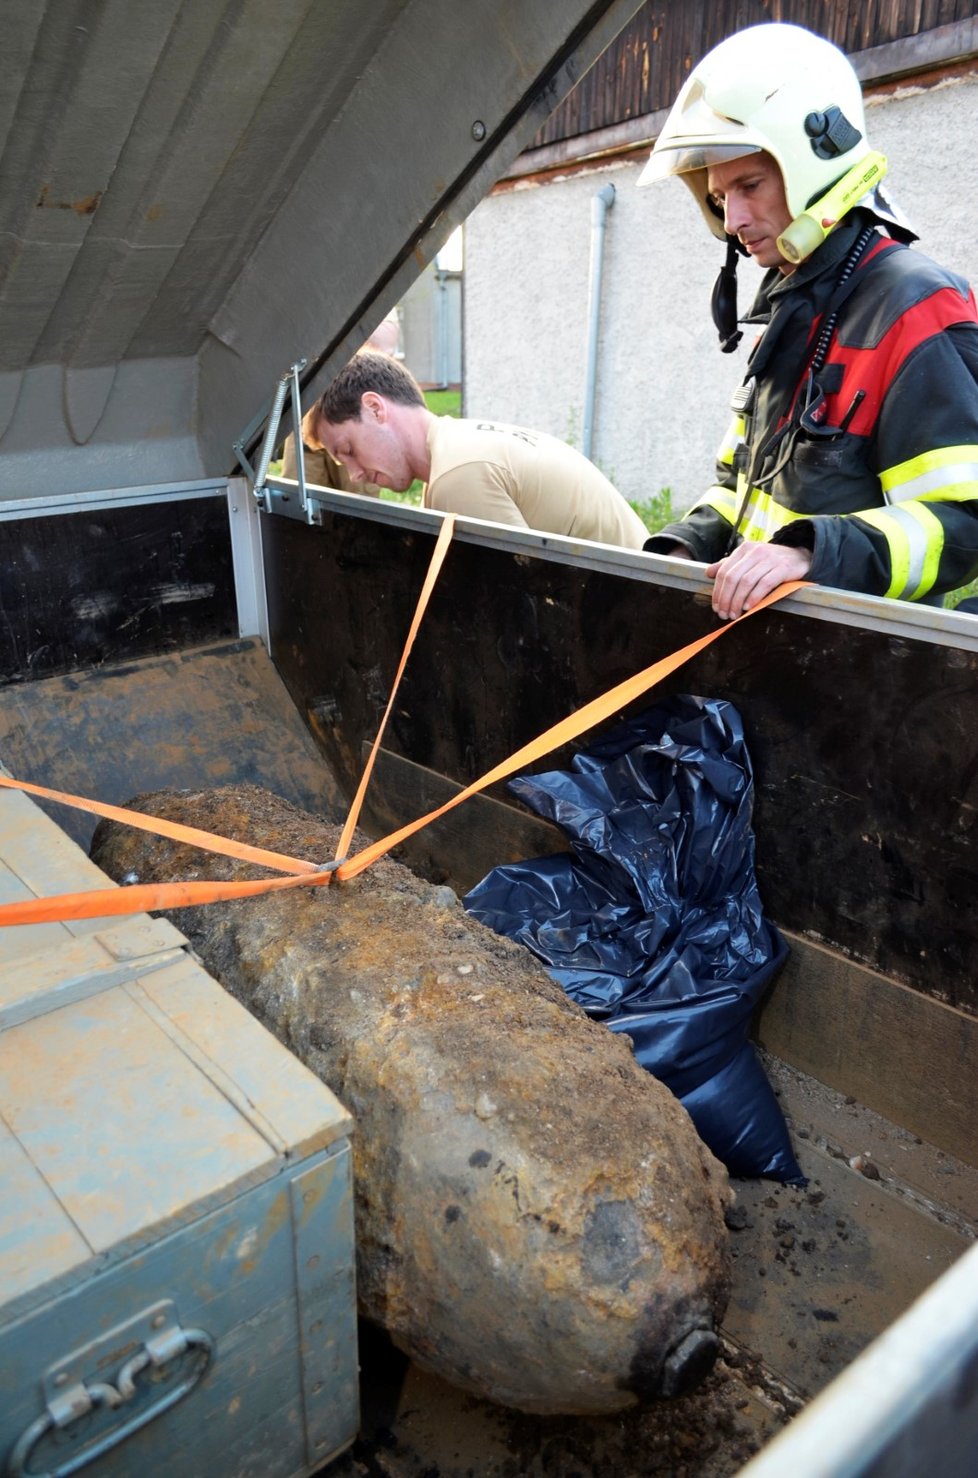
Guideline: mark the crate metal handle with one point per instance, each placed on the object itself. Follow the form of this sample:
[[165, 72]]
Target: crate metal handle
[[86, 1397]]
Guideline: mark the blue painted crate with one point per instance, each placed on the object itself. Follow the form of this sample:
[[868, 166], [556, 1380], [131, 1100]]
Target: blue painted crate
[[176, 1224]]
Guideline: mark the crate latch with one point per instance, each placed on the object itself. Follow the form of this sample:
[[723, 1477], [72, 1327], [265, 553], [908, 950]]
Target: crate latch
[[136, 1371]]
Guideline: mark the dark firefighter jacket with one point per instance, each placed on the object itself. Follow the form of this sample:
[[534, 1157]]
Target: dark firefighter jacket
[[880, 480]]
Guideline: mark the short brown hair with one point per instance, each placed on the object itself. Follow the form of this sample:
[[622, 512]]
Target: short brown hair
[[341, 400]]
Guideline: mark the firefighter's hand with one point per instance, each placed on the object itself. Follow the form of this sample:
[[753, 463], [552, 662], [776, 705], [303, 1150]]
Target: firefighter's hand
[[752, 572]]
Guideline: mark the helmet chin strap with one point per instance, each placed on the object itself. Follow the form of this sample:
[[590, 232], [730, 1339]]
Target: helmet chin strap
[[723, 303]]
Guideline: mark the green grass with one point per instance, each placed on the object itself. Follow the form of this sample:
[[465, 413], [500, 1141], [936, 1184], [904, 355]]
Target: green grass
[[412, 495], [657, 511], [444, 402]]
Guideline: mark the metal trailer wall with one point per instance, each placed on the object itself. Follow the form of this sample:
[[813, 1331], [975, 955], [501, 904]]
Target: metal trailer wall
[[863, 725]]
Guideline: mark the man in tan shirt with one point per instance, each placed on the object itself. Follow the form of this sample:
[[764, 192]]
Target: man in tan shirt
[[373, 419]]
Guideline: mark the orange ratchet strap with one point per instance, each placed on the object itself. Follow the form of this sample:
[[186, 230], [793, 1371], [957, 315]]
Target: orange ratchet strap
[[208, 840], [149, 897], [561, 733], [437, 560]]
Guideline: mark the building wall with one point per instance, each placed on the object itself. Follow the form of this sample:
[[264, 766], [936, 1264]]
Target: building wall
[[663, 387], [430, 316]]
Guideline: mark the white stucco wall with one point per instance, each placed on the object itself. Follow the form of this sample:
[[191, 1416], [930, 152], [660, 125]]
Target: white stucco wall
[[663, 387]]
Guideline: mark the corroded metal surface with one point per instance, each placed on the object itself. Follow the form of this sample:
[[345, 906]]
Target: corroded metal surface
[[537, 1220]]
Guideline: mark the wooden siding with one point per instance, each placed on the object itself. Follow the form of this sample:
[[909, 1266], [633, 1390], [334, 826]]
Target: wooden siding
[[644, 68]]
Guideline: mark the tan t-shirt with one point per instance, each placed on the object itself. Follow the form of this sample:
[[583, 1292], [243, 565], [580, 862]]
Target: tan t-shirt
[[486, 469]]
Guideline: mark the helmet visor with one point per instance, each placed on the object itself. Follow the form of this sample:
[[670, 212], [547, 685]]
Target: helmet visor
[[684, 156]]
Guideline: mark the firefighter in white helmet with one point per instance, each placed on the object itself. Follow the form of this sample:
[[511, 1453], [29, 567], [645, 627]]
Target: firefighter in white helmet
[[852, 459]]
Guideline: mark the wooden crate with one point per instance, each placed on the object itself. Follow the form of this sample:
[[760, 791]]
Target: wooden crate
[[176, 1220]]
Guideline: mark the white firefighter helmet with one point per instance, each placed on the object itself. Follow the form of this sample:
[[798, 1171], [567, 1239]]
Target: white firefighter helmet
[[773, 87]]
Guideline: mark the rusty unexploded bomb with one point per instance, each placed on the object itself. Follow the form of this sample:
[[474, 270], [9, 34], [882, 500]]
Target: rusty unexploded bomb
[[537, 1220]]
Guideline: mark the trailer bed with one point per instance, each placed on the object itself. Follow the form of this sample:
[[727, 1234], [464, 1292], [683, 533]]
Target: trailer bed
[[818, 1273]]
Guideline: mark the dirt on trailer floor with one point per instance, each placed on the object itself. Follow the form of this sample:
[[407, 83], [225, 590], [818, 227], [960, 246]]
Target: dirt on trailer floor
[[818, 1272], [416, 1427]]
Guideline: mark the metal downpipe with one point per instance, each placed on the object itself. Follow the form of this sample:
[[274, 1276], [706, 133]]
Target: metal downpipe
[[601, 203]]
